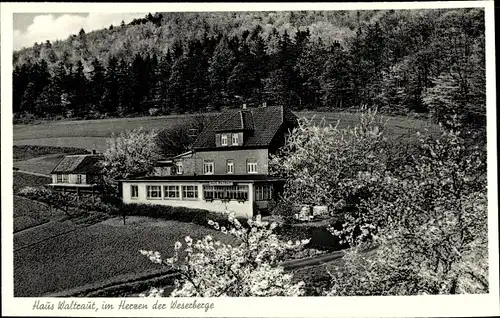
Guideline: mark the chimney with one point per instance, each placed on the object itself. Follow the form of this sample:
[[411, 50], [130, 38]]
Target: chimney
[[244, 106], [94, 151], [264, 104]]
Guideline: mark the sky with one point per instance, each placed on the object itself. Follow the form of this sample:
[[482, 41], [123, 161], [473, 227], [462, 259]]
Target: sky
[[39, 27]]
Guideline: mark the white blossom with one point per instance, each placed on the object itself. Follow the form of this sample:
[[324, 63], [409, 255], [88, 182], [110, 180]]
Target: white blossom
[[251, 268]]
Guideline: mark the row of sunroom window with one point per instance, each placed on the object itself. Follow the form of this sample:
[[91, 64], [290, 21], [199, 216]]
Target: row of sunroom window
[[64, 178], [190, 192]]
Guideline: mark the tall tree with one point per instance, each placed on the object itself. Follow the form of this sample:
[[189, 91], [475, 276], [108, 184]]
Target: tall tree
[[335, 79], [177, 83], [125, 93], [111, 99], [221, 65], [28, 99], [96, 85], [282, 78], [160, 88], [79, 91]]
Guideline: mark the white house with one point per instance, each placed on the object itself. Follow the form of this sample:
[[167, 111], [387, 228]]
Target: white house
[[227, 169]]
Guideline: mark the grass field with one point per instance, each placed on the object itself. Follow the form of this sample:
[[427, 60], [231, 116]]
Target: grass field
[[26, 152], [92, 134], [22, 180], [96, 253], [43, 165], [26, 212], [29, 213]]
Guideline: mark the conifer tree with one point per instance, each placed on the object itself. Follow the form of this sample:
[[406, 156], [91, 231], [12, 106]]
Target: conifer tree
[[111, 98], [221, 65], [97, 87]]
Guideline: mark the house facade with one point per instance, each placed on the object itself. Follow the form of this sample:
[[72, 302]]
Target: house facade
[[78, 173], [227, 168]]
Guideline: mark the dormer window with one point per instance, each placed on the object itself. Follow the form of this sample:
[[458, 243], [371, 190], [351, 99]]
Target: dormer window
[[234, 139], [179, 167], [223, 140]]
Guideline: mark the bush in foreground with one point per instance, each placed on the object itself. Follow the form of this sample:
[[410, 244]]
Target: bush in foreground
[[430, 225], [213, 269]]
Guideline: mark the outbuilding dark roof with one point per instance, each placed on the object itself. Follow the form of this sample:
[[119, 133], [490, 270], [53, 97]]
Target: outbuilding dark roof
[[263, 122], [82, 164]]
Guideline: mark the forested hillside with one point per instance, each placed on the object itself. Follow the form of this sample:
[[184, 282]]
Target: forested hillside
[[427, 61]]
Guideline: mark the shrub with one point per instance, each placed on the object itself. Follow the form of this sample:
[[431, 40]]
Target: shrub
[[131, 152], [324, 164], [213, 269], [430, 224]]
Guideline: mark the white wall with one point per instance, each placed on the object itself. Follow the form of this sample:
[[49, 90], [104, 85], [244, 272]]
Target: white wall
[[241, 209], [72, 179]]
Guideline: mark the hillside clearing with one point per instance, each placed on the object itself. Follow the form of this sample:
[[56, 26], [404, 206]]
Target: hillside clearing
[[92, 134], [42, 165]]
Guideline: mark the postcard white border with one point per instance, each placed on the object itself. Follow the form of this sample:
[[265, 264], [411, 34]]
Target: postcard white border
[[388, 306]]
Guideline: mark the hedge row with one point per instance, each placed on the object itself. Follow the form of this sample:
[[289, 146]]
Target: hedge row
[[181, 214]]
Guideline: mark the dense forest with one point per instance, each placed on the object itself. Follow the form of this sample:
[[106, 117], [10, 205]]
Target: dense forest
[[400, 61]]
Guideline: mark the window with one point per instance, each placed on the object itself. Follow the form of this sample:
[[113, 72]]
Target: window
[[234, 139], [59, 178], [179, 167], [154, 192], [208, 167], [190, 192], [78, 178], [238, 192], [263, 192], [230, 166], [251, 166], [223, 140], [65, 178], [171, 192], [134, 191]]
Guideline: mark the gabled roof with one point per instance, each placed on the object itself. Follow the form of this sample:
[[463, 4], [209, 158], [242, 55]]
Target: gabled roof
[[235, 120], [263, 122], [247, 119], [84, 164]]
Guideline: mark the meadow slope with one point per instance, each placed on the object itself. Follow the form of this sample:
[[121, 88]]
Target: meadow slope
[[92, 134]]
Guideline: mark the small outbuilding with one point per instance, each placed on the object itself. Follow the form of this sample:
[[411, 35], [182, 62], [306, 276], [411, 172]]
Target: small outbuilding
[[78, 173]]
